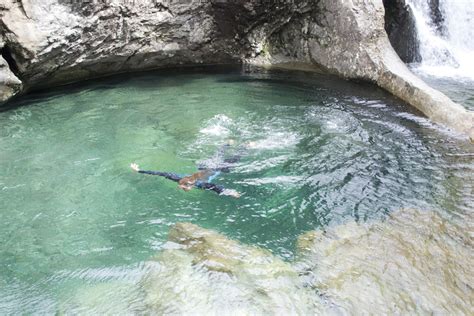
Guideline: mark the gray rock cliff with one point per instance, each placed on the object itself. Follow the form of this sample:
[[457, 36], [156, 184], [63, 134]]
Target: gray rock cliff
[[348, 38], [51, 42], [401, 30]]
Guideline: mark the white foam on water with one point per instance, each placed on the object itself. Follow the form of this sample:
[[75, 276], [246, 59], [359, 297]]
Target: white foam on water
[[269, 135], [276, 140], [217, 126], [215, 130], [262, 164], [279, 180], [334, 121], [220, 128], [332, 125]]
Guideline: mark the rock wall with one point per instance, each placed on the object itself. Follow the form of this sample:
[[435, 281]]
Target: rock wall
[[401, 30], [86, 39], [50, 42], [348, 38], [91, 38], [9, 83]]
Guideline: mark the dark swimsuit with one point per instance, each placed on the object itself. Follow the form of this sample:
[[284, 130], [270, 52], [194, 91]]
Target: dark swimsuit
[[199, 184], [215, 172]]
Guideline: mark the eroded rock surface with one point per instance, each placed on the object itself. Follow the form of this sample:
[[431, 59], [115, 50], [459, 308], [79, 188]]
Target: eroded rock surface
[[56, 41], [59, 41]]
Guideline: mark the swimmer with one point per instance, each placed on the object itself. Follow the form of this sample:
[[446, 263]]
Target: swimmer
[[197, 180], [201, 179]]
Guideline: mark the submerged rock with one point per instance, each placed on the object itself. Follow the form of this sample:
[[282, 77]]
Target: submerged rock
[[201, 272], [415, 262], [109, 298], [211, 274], [218, 253]]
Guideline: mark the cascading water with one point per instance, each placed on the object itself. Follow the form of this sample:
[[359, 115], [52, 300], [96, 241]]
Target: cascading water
[[446, 50]]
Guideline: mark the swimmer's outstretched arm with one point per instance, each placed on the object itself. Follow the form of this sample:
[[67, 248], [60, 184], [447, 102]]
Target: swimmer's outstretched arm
[[167, 175]]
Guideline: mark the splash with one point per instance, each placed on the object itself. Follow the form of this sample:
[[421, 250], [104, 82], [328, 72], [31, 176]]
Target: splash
[[219, 125], [446, 50], [276, 140]]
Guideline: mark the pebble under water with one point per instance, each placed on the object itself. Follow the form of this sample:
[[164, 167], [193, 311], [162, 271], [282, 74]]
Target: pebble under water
[[325, 152]]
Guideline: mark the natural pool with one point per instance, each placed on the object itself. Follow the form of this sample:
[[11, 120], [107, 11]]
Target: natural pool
[[325, 152]]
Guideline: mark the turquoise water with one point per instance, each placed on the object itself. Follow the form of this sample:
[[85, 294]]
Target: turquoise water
[[323, 151]]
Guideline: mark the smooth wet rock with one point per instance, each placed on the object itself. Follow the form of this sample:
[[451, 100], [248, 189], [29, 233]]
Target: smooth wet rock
[[108, 298], [414, 263], [436, 16], [219, 253]]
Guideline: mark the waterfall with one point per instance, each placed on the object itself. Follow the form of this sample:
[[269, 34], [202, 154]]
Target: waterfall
[[446, 37]]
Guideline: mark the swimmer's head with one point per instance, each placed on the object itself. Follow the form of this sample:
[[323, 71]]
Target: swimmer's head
[[186, 183]]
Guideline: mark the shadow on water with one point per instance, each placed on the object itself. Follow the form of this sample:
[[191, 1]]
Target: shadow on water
[[159, 78], [179, 76]]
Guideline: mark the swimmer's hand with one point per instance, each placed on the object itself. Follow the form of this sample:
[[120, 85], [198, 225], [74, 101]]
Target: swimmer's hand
[[231, 193], [135, 167]]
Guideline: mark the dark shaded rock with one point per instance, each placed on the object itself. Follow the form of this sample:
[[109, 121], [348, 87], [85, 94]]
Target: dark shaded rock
[[436, 16], [401, 30]]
